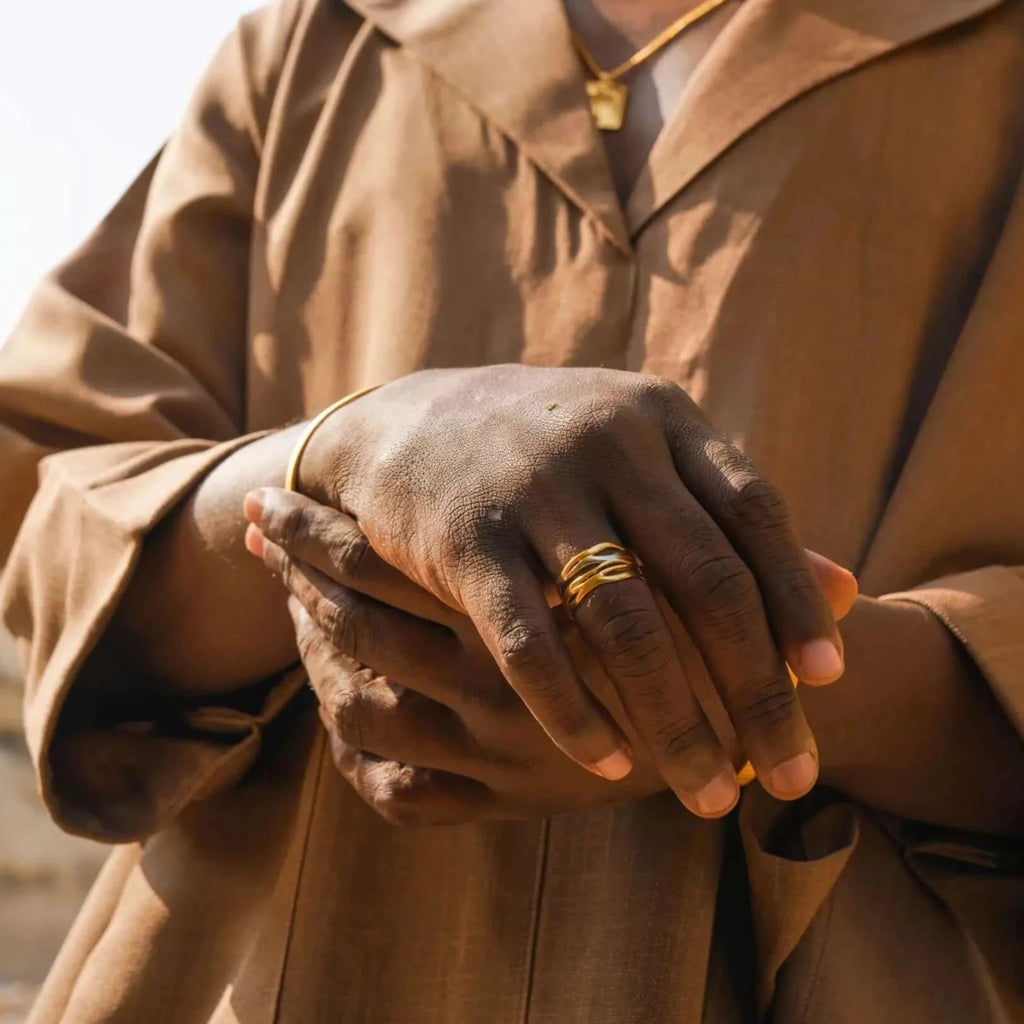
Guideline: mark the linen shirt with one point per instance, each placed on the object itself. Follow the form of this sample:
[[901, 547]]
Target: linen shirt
[[824, 248]]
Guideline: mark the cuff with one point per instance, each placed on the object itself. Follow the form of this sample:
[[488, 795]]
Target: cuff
[[984, 609], [70, 566]]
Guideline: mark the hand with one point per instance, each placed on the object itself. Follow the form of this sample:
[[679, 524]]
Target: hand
[[476, 483], [469, 752], [431, 733]]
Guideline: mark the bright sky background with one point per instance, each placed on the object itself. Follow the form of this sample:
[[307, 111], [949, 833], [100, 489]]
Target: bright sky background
[[88, 91]]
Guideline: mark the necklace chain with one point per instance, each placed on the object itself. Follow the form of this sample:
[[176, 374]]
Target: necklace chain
[[662, 39]]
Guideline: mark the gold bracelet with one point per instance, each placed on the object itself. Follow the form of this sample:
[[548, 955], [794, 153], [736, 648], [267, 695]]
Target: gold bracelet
[[746, 774], [291, 474]]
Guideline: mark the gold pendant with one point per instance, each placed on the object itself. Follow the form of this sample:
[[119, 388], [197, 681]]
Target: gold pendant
[[607, 103]]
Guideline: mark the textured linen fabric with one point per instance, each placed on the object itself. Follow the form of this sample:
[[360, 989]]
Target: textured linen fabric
[[825, 249]]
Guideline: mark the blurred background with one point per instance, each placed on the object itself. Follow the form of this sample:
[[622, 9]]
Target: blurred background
[[88, 91]]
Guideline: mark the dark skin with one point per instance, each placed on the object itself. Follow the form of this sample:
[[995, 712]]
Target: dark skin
[[194, 579], [425, 464], [428, 734], [450, 742], [480, 484]]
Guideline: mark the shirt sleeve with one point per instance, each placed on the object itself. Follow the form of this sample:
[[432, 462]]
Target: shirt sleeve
[[984, 609], [121, 387]]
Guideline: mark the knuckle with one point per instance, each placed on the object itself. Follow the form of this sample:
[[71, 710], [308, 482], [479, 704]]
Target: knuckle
[[770, 702], [527, 656], [658, 391], [799, 585], [570, 721], [476, 537], [678, 741], [406, 798], [287, 570], [363, 678], [524, 650], [726, 592], [478, 518], [755, 503], [290, 526], [348, 553], [632, 641], [343, 625], [606, 430], [352, 716], [600, 418]]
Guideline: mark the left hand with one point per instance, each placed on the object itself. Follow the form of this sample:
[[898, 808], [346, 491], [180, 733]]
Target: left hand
[[420, 720], [474, 753]]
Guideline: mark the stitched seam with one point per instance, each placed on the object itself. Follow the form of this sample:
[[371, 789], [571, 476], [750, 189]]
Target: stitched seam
[[812, 986], [300, 871], [538, 898]]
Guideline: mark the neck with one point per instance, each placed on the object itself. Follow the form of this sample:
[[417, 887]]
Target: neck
[[618, 21]]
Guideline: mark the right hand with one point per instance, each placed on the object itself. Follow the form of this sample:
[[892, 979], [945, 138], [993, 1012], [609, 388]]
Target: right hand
[[479, 483]]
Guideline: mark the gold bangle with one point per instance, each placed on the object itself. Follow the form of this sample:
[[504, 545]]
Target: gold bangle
[[291, 474], [746, 774]]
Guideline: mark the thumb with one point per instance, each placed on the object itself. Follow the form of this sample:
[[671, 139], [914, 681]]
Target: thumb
[[839, 584]]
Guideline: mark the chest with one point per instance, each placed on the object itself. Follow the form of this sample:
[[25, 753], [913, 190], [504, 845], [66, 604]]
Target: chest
[[840, 237], [402, 226]]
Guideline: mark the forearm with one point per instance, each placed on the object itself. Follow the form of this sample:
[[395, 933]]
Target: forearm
[[200, 616], [913, 729]]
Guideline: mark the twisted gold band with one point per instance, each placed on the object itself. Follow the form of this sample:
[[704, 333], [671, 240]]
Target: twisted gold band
[[609, 562], [591, 568]]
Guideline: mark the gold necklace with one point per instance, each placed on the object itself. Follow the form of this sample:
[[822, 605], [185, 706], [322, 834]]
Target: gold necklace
[[606, 93]]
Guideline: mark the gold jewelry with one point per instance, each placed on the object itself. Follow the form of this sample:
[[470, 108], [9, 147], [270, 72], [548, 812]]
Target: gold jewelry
[[609, 562], [291, 475], [746, 774], [606, 93], [603, 563]]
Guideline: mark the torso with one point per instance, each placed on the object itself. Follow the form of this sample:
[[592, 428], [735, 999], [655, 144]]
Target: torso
[[826, 231]]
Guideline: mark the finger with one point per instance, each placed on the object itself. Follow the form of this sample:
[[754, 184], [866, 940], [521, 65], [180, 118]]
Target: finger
[[332, 542], [372, 713], [711, 590], [323, 663], [753, 516], [395, 643], [506, 602], [375, 715], [409, 795], [838, 584], [624, 626]]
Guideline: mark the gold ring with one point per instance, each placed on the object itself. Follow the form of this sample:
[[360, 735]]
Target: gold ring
[[603, 563]]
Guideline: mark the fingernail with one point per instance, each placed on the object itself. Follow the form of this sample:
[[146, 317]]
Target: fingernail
[[718, 796], [820, 662], [793, 777], [252, 506], [613, 767], [325, 716], [254, 540]]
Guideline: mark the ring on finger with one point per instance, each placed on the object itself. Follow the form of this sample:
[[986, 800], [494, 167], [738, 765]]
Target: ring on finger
[[602, 563]]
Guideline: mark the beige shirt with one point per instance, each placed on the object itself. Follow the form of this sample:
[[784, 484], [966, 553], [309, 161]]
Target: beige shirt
[[825, 249]]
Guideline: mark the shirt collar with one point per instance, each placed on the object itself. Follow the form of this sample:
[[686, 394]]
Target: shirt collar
[[516, 64]]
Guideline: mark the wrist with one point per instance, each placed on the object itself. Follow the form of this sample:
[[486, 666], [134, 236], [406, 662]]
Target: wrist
[[323, 459]]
